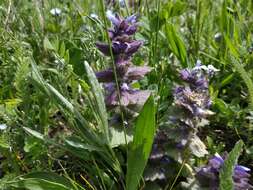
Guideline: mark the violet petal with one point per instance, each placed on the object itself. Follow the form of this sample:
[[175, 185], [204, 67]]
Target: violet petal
[[136, 73], [105, 76]]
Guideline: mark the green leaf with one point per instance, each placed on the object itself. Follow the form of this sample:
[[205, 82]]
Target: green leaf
[[32, 145], [42, 181], [75, 142], [172, 9], [3, 142], [47, 44], [226, 180], [176, 44], [144, 131], [118, 136], [34, 133], [60, 98], [98, 101], [222, 106]]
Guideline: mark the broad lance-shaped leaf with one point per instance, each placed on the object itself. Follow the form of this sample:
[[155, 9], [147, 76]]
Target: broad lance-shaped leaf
[[99, 105], [226, 174], [41, 181], [140, 149]]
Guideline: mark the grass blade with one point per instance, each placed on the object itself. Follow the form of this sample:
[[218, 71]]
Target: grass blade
[[176, 44]]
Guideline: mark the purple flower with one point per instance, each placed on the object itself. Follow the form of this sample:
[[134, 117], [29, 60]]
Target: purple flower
[[105, 76], [193, 102], [120, 50], [208, 176], [104, 48], [185, 74], [195, 78], [128, 96], [136, 73], [193, 96], [124, 72], [122, 26], [133, 47], [123, 46]]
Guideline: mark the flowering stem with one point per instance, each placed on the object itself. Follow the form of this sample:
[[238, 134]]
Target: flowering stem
[[113, 62], [178, 174], [114, 73]]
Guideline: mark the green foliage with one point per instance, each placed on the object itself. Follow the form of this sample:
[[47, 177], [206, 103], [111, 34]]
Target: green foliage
[[176, 44], [42, 181], [142, 144], [226, 181]]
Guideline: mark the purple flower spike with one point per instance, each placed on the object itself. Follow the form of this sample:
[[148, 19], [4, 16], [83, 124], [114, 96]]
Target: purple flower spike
[[194, 96], [123, 47], [189, 111]]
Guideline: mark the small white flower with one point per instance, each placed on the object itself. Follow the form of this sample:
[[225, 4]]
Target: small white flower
[[3, 126], [55, 11]]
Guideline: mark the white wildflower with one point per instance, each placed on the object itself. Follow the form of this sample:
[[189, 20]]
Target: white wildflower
[[55, 11]]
